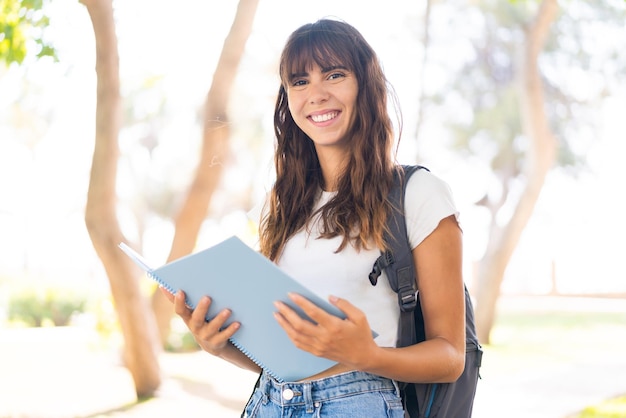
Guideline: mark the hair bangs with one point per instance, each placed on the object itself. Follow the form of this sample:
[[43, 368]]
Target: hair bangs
[[319, 46]]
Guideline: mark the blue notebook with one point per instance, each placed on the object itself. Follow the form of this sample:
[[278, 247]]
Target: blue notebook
[[241, 279]]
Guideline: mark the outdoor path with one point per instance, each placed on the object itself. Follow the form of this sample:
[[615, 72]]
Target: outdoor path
[[55, 376]]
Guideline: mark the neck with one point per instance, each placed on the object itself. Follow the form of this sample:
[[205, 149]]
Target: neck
[[332, 163]]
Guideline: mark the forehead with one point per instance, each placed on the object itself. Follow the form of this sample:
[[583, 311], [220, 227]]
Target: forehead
[[314, 50]]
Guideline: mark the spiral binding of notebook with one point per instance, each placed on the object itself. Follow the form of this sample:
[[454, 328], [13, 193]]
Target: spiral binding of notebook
[[139, 260], [230, 270], [160, 282], [231, 339], [255, 360]]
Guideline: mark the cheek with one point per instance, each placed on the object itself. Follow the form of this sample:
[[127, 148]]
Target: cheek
[[292, 105], [353, 108], [354, 98], [296, 114]]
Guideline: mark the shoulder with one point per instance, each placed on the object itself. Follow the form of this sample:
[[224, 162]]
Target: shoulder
[[428, 199], [425, 182]]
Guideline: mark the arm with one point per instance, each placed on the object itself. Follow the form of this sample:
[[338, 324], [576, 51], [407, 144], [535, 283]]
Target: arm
[[441, 357], [438, 359], [209, 335]]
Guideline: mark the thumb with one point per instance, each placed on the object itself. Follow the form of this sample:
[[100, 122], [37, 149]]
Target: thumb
[[344, 306], [353, 314]]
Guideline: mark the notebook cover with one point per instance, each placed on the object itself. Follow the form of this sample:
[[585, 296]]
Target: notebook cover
[[241, 279]]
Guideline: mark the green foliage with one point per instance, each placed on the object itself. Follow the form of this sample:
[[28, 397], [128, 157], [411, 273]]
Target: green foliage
[[479, 98], [553, 338], [613, 408], [181, 343], [34, 308], [23, 21], [180, 340]]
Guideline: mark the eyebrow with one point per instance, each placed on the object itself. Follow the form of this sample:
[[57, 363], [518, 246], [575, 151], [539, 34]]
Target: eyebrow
[[333, 68], [324, 70]]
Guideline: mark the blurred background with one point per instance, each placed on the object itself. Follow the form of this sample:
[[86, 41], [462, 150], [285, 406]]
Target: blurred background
[[518, 105]]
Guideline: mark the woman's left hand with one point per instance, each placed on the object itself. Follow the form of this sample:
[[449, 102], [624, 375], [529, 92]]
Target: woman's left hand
[[348, 341]]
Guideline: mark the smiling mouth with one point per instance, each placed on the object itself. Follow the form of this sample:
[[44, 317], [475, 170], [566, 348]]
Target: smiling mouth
[[325, 117]]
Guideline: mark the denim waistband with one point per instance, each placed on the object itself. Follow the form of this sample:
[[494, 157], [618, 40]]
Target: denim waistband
[[333, 387]]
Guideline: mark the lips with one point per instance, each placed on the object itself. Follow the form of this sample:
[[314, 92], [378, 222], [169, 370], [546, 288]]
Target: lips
[[325, 117]]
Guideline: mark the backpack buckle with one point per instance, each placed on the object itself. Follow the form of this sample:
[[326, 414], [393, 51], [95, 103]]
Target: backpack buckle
[[408, 301], [407, 292], [382, 262]]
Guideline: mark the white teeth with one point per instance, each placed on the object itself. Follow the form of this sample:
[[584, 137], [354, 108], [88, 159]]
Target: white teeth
[[324, 117]]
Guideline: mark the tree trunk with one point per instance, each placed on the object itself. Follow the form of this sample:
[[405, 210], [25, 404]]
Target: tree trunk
[[214, 151], [137, 324], [541, 157], [425, 44]]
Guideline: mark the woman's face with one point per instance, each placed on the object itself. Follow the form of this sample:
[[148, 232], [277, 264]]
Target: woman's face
[[322, 102]]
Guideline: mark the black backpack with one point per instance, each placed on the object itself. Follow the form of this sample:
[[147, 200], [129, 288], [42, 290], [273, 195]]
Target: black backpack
[[444, 400]]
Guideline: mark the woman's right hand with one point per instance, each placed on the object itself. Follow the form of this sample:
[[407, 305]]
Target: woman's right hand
[[208, 334]]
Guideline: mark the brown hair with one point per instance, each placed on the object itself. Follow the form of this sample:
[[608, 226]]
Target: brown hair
[[359, 209]]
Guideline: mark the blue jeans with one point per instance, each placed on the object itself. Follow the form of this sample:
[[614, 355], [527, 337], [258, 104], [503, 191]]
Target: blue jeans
[[346, 395]]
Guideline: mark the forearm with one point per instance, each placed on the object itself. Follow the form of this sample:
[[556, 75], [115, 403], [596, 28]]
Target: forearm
[[432, 361], [233, 355]]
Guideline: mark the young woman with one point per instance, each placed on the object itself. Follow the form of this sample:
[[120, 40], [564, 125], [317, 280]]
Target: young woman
[[323, 224]]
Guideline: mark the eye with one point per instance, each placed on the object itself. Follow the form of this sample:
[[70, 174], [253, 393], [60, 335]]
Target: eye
[[299, 82], [336, 75]]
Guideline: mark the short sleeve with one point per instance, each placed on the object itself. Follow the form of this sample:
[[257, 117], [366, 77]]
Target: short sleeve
[[428, 200]]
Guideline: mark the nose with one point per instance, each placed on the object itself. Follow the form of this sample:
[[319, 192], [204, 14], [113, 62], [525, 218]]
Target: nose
[[318, 93]]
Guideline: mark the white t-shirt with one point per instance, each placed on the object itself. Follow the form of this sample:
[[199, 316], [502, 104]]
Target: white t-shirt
[[314, 263]]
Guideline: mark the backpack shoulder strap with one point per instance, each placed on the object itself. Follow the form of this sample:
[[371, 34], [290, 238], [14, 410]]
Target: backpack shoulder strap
[[450, 399], [397, 260]]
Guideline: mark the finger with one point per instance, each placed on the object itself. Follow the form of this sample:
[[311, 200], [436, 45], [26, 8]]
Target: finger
[[343, 305], [167, 294], [281, 318], [180, 307], [303, 333], [213, 339], [199, 324], [198, 316], [300, 339], [292, 321], [230, 330], [330, 322], [353, 313], [314, 312], [216, 326]]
